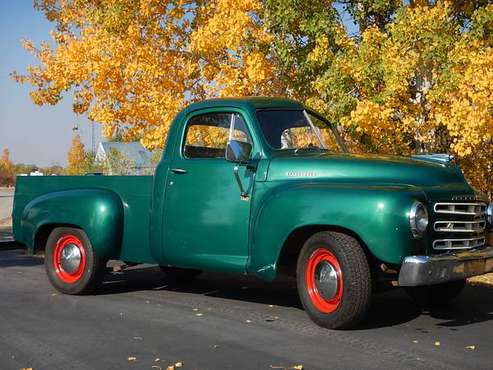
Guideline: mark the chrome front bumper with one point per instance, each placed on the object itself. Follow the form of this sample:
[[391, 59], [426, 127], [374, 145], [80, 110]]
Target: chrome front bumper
[[428, 270]]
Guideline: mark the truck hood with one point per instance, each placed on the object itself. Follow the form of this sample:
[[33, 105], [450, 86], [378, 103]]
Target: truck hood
[[364, 168]]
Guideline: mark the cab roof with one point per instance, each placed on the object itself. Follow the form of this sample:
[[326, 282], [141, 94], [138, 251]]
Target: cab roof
[[250, 103]]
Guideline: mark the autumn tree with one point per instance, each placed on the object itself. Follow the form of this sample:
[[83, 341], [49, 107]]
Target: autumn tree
[[7, 173], [133, 64], [116, 162], [408, 76], [77, 157], [416, 78]]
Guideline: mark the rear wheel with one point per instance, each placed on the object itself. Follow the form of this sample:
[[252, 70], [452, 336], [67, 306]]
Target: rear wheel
[[71, 263], [436, 295], [334, 281]]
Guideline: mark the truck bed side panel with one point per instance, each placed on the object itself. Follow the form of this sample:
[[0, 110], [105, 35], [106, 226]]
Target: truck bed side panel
[[134, 192]]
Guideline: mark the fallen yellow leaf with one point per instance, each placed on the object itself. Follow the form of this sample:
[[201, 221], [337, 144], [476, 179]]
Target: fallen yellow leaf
[[437, 343], [132, 358], [179, 364], [472, 348], [298, 367]]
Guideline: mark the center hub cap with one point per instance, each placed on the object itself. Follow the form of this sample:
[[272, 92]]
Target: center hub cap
[[326, 280], [70, 258]]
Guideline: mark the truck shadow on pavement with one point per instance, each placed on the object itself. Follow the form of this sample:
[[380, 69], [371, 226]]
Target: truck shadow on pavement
[[228, 286], [16, 257], [391, 308], [474, 305]]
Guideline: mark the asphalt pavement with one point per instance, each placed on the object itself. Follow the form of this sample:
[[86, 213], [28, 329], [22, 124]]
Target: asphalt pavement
[[138, 320]]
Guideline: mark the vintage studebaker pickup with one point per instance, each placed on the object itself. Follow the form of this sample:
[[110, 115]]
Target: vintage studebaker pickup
[[267, 187]]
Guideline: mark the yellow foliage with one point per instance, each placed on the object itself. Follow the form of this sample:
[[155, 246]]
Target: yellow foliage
[[133, 64], [423, 85], [77, 157]]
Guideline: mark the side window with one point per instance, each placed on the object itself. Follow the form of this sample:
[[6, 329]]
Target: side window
[[207, 134]]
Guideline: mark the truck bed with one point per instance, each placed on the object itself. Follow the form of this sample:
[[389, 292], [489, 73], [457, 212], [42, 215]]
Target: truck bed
[[134, 191]]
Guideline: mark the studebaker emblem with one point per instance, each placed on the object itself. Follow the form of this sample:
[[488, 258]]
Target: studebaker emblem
[[301, 174], [464, 197]]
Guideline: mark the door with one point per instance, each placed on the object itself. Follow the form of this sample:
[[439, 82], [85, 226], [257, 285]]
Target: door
[[206, 219]]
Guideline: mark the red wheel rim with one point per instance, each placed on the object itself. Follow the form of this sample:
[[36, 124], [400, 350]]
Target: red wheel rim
[[321, 303], [69, 241]]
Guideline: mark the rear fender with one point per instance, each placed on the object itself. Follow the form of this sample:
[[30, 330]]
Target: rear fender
[[98, 212]]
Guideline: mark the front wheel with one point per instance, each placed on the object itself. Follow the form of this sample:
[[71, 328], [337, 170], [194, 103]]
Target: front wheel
[[334, 280], [71, 263]]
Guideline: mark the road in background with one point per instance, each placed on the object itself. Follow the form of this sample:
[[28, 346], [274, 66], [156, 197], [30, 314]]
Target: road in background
[[223, 322], [6, 201]]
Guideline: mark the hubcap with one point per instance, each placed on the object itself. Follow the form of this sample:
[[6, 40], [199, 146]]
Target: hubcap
[[326, 280], [70, 258]]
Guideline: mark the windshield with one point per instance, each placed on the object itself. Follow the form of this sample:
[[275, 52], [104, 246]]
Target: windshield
[[298, 130]]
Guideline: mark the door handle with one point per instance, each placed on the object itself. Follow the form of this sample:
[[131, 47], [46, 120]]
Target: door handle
[[179, 171]]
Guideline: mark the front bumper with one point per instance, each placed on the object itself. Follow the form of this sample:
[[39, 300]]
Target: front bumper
[[428, 270]]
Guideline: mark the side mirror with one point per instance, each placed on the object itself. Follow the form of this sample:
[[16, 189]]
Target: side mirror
[[238, 151]]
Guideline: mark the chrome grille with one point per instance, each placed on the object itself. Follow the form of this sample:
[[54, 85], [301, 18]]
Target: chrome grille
[[459, 225], [442, 244], [471, 209]]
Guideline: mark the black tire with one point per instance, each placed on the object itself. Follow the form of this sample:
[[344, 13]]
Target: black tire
[[91, 268], [177, 274], [436, 295], [353, 300]]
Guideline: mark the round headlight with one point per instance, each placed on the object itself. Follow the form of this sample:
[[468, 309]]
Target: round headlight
[[489, 214], [418, 219]]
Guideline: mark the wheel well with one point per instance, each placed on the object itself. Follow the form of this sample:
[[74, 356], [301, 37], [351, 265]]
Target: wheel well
[[292, 246], [44, 232]]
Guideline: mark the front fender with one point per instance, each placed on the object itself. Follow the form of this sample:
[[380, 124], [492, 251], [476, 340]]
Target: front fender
[[378, 215], [96, 211]]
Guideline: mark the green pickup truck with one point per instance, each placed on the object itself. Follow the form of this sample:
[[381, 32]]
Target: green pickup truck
[[267, 187]]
